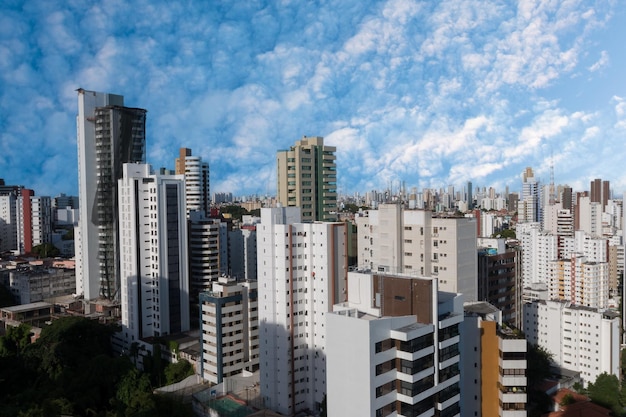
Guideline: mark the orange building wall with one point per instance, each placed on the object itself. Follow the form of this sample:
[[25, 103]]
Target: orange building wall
[[490, 371]]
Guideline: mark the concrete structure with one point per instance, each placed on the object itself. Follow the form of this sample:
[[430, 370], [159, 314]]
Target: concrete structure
[[302, 272], [580, 281], [581, 339], [499, 278], [393, 348], [529, 206], [34, 220], [109, 135], [307, 178], [153, 250], [538, 249], [33, 283], [395, 240], [8, 223], [242, 249], [208, 252], [197, 183], [589, 216], [230, 329], [493, 364]]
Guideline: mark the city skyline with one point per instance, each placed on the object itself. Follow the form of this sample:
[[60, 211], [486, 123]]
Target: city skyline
[[429, 94]]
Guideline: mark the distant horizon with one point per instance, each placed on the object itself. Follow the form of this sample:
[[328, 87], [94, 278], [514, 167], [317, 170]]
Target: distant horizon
[[429, 93]]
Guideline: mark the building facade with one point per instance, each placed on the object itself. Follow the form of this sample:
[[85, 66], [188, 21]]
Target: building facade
[[196, 173], [34, 221], [109, 135], [153, 250], [302, 272], [414, 242], [307, 178], [393, 348], [230, 329]]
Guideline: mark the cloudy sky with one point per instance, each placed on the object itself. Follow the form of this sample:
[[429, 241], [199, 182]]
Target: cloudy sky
[[433, 93]]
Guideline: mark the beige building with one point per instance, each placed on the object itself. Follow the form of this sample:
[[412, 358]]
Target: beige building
[[307, 178], [414, 242]]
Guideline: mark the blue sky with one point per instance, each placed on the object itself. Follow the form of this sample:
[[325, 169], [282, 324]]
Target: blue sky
[[433, 93]]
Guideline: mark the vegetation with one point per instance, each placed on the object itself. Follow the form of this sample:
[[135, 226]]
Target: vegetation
[[71, 370], [606, 391], [506, 233], [46, 250], [176, 372], [538, 361], [236, 212]]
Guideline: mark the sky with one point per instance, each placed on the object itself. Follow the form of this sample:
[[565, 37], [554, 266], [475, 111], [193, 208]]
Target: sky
[[429, 93]]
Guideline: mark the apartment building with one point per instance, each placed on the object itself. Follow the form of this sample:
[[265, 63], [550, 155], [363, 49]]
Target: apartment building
[[153, 253], [580, 281], [493, 364], [34, 220], [393, 348], [392, 239], [197, 184], [307, 178], [302, 272], [230, 329], [582, 339]]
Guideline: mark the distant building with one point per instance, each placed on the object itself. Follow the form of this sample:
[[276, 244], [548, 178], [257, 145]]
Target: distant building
[[196, 173], [153, 250], [230, 329], [394, 348], [8, 223], [34, 221], [307, 178], [33, 283]]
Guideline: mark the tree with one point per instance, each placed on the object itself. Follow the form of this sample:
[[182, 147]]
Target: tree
[[605, 392], [176, 372], [15, 340], [46, 250]]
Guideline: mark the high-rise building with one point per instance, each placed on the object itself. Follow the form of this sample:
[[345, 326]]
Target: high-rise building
[[109, 135], [582, 339], [230, 329], [600, 191], [499, 278], [307, 178], [208, 252], [529, 205], [415, 242], [8, 226], [153, 253], [580, 281], [34, 220], [394, 348], [493, 364], [196, 174], [302, 273]]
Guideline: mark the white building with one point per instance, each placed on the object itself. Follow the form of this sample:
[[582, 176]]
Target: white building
[[242, 249], [393, 348], [582, 339], [196, 173], [394, 240], [109, 135], [595, 249], [153, 250], [589, 216], [580, 281], [230, 329], [302, 272], [538, 250]]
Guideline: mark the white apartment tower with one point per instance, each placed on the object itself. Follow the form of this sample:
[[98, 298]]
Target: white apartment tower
[[580, 281], [153, 252], [529, 205], [582, 339], [538, 250], [414, 242], [230, 329], [302, 272], [307, 178], [394, 348], [109, 135], [196, 174]]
